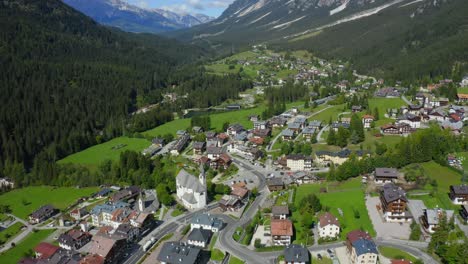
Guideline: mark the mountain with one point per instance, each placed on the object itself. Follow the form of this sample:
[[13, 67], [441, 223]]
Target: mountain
[[68, 82], [405, 39], [131, 18]]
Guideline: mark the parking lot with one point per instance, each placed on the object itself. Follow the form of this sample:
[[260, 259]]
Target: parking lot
[[385, 229]]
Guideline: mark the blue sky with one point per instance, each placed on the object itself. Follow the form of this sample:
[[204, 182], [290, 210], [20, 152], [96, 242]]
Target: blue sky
[[209, 7]]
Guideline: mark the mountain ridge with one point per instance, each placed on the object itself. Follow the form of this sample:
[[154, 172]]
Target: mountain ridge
[[132, 18]]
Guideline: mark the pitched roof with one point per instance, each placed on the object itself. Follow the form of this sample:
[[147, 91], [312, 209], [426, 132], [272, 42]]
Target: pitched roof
[[46, 250], [239, 192], [357, 234], [92, 259], [328, 219], [281, 227], [43, 210], [275, 181], [187, 180], [391, 192], [460, 189], [198, 234], [364, 246], [177, 252], [386, 172], [296, 254], [206, 219], [101, 245], [280, 210]]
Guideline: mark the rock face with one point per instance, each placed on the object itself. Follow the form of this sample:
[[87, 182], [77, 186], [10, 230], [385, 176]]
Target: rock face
[[134, 19]]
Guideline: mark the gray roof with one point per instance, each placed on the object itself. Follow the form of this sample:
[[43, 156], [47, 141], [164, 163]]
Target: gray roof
[[386, 172], [198, 145], [280, 210], [189, 198], [108, 208], [433, 215], [178, 252], [296, 253], [294, 125], [452, 125], [460, 189], [391, 193], [287, 133], [364, 246], [309, 130], [198, 234], [275, 181], [207, 219], [187, 180], [214, 150]]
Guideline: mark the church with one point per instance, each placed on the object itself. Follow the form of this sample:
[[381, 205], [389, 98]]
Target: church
[[190, 190]]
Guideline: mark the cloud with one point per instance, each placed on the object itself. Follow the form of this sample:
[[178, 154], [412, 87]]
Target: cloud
[[196, 4]]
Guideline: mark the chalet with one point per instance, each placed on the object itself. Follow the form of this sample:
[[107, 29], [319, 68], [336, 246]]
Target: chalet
[[127, 232], [198, 147], [302, 177], [158, 142], [74, 239], [301, 120], [78, 213], [280, 212], [462, 97], [361, 248], [45, 250], [309, 132], [210, 135], [230, 203], [296, 127], [327, 157], [179, 252], [240, 192], [180, 144], [328, 226], [214, 152], [234, 129], [223, 161], [317, 124], [415, 109], [256, 141], [335, 125], [181, 133], [437, 115], [260, 125], [197, 129], [199, 237], [103, 193], [412, 120], [298, 162], [125, 194], [400, 129], [431, 217], [207, 222], [281, 232], [394, 203], [277, 121], [42, 214], [275, 184], [254, 118], [262, 133], [459, 194], [356, 108], [367, 121], [296, 254], [464, 213], [288, 134], [385, 175]]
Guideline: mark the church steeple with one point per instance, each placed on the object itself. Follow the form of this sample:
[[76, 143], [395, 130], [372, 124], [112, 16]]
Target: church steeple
[[202, 176], [141, 202]]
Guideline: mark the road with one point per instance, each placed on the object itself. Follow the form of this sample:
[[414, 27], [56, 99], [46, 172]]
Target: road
[[319, 135], [408, 102]]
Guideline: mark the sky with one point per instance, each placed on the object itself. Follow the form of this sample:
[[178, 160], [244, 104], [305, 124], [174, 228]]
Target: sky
[[208, 7]]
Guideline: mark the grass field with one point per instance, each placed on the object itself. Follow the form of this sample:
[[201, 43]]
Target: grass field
[[444, 177], [24, 201], [348, 196], [10, 232], [394, 253], [217, 255], [463, 90], [234, 260], [463, 156], [109, 150], [331, 112], [324, 260], [20, 250], [385, 103]]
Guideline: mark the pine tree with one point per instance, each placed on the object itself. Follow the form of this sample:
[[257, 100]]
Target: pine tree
[[331, 139]]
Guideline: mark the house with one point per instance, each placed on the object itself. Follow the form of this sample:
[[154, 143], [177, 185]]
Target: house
[[302, 177], [197, 129], [7, 183], [275, 184], [296, 127], [281, 232], [260, 125], [280, 212], [254, 118], [399, 129], [277, 121], [230, 203], [335, 125], [207, 222], [234, 129], [287, 134], [147, 202], [198, 147], [180, 144], [199, 237], [214, 152], [74, 239], [92, 259], [42, 214], [317, 124], [327, 157], [308, 132], [394, 203], [328, 226], [158, 142], [178, 252], [356, 108], [181, 133], [101, 215], [45, 250], [298, 162], [240, 192], [462, 97], [413, 121], [78, 213], [361, 248], [431, 217], [464, 213], [367, 121], [301, 120], [109, 249], [459, 194], [125, 194], [296, 254], [464, 82], [127, 232], [103, 193], [190, 190], [384, 175], [223, 161]]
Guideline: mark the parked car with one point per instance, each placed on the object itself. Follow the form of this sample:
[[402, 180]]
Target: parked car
[[319, 256]]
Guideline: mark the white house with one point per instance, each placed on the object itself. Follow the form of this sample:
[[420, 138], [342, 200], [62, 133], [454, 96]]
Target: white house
[[199, 237], [367, 120], [328, 226], [298, 162], [431, 217], [190, 190], [206, 222], [464, 82], [410, 119]]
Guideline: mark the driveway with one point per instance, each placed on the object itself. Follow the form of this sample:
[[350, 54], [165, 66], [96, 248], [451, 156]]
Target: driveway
[[385, 229], [416, 207]]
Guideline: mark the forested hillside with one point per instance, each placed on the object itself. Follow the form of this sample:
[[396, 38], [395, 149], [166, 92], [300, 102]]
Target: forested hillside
[[67, 82], [404, 42]]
